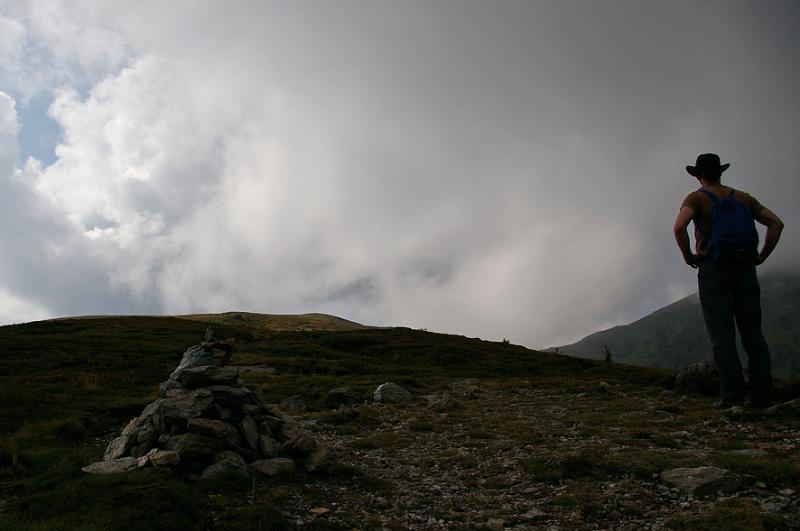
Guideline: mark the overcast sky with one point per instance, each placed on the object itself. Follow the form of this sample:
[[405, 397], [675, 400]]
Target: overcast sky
[[500, 169]]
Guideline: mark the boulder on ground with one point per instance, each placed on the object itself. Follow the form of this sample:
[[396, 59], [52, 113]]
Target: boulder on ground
[[443, 403], [391, 393], [112, 466], [467, 388], [790, 408], [273, 467], [342, 396], [226, 465], [318, 459], [701, 481], [122, 444]]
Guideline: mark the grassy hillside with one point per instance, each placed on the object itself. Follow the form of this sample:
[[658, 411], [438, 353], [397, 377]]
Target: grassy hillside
[[675, 336], [277, 323], [67, 387]]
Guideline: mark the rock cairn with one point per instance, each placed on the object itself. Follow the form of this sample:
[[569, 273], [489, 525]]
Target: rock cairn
[[205, 424]]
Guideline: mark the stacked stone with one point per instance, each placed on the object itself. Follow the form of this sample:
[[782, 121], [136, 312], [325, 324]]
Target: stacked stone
[[206, 423]]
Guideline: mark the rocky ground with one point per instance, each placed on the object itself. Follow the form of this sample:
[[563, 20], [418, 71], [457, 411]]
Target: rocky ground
[[511, 455]]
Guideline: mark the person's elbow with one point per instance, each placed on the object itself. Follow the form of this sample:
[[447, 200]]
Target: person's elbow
[[682, 221], [770, 220], [775, 225]]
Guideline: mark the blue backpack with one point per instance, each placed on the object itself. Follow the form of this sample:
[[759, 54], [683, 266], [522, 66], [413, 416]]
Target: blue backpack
[[733, 237]]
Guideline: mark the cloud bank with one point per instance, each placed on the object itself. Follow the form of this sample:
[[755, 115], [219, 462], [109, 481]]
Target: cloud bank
[[495, 172]]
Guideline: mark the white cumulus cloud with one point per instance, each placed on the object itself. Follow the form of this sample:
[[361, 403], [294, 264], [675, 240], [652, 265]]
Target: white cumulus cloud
[[499, 172]]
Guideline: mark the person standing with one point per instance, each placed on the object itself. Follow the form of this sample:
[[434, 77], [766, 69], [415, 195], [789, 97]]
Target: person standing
[[726, 255]]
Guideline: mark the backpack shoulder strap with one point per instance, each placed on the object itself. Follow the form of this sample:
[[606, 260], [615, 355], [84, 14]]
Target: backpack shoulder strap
[[714, 199]]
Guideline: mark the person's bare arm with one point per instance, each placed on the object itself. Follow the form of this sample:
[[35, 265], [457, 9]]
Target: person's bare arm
[[682, 235], [774, 228]]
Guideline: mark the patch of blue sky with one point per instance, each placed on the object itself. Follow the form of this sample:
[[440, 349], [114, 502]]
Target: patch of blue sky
[[39, 133]]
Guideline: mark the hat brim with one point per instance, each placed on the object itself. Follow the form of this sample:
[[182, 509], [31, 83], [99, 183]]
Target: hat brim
[[694, 171]]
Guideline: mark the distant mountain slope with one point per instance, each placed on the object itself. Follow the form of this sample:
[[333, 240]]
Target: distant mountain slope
[[675, 335], [277, 323]]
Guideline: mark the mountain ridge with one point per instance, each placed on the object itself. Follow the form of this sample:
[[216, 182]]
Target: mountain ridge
[[674, 336]]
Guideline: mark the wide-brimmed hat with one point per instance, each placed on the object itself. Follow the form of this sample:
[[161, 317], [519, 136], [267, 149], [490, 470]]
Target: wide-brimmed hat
[[707, 164]]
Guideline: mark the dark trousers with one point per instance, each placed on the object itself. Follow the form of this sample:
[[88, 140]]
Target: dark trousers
[[729, 293]]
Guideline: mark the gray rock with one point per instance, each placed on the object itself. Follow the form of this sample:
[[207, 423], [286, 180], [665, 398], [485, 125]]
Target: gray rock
[[534, 514], [791, 408], [468, 388], [226, 465], [122, 444], [163, 458], [195, 356], [205, 375], [273, 467], [297, 440], [227, 455], [303, 446], [443, 403], [249, 432], [271, 423], [268, 446], [224, 470], [252, 409], [701, 481], [150, 410], [179, 406], [148, 434], [294, 403], [496, 524], [228, 395], [167, 386], [318, 459], [191, 446], [219, 413], [391, 393], [257, 397], [112, 466], [342, 396], [212, 428]]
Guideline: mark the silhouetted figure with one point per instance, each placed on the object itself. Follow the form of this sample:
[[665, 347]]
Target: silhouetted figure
[[726, 255]]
